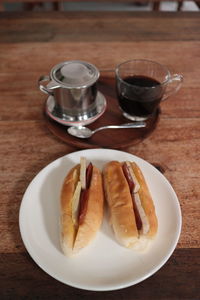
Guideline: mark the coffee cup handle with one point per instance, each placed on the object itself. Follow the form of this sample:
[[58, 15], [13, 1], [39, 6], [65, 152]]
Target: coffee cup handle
[[177, 79], [43, 88]]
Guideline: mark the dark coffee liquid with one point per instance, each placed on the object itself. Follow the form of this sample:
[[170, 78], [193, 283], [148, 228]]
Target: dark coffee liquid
[[141, 96]]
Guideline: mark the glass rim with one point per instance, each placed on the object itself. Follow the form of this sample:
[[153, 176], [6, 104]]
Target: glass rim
[[168, 75]]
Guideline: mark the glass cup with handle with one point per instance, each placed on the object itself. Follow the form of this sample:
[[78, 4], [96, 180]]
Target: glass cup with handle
[[141, 85]]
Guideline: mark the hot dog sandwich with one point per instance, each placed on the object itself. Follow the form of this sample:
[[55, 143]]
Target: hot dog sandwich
[[81, 207], [132, 210]]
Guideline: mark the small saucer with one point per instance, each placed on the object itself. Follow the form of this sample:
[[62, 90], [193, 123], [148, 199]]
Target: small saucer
[[52, 113]]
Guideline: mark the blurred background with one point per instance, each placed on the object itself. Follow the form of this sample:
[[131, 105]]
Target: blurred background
[[106, 6]]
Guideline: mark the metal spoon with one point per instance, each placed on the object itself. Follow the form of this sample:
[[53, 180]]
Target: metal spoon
[[84, 132]]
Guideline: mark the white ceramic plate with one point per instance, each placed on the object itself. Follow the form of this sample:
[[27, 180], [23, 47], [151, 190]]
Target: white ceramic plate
[[104, 264]]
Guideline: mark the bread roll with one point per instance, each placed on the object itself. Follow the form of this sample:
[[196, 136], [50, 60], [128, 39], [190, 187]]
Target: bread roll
[[120, 204], [129, 203], [75, 235]]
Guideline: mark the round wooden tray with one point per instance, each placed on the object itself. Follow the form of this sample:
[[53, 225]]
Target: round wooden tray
[[110, 138]]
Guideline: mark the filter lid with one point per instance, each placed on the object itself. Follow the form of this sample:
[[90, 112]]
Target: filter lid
[[75, 74]]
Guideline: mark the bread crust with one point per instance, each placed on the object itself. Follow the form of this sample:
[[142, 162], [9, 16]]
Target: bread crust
[[67, 226], [94, 214], [76, 236], [120, 203], [146, 200]]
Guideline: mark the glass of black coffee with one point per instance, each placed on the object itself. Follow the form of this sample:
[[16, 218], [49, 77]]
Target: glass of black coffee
[[141, 85]]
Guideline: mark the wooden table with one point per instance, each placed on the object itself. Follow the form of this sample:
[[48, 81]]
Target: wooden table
[[30, 44]]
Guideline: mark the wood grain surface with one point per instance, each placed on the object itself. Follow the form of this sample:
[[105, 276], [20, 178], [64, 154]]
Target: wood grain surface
[[106, 26], [30, 45]]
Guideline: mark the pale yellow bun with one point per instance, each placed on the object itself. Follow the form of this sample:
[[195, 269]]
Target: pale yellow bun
[[94, 214], [67, 226], [146, 201], [75, 236], [120, 204]]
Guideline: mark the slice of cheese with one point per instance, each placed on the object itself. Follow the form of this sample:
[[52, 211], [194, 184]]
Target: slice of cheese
[[136, 183], [144, 219], [83, 172], [75, 202]]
